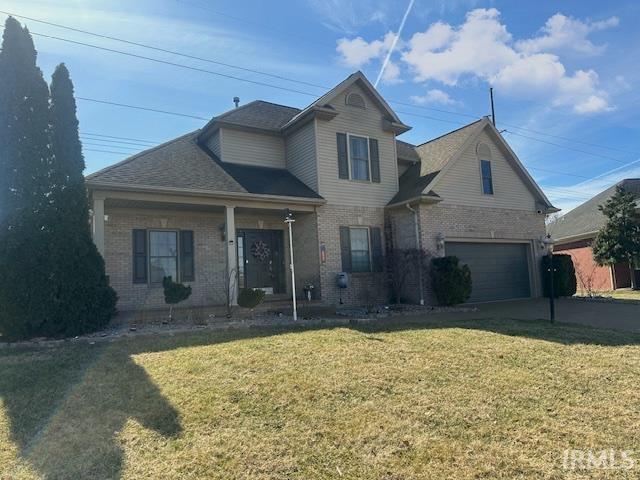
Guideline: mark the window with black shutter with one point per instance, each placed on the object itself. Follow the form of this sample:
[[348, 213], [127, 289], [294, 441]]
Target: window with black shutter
[[139, 256], [187, 257]]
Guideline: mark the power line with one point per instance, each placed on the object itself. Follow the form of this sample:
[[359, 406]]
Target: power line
[[567, 148], [164, 50], [280, 77], [103, 151], [154, 110], [153, 142], [174, 64], [569, 139], [120, 142], [110, 146]]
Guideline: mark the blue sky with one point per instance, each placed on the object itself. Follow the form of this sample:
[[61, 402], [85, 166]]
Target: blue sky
[[559, 69]]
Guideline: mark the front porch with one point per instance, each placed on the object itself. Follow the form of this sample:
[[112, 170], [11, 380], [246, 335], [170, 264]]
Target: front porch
[[216, 245]]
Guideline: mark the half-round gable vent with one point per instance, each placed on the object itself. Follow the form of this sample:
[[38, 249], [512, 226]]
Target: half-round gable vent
[[483, 151], [355, 100]]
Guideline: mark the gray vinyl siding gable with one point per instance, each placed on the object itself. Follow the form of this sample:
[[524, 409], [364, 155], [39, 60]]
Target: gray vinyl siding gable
[[461, 184], [214, 144], [250, 148], [356, 121], [300, 148]]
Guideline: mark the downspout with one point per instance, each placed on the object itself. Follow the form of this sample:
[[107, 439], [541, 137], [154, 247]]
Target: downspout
[[419, 247]]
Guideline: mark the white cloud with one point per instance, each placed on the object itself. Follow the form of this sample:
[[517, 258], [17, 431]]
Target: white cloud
[[565, 33], [358, 52], [483, 48], [434, 96], [391, 74]]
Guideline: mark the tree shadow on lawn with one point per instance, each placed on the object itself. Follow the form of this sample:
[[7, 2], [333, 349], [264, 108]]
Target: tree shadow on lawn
[[66, 406]]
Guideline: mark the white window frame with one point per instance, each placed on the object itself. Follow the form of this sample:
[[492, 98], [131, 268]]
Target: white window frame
[[368, 180], [368, 229], [163, 230]]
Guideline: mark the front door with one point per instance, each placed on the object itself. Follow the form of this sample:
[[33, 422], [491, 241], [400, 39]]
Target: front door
[[261, 260]]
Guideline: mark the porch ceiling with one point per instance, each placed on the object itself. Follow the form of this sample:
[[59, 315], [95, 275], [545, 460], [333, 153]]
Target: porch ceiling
[[135, 204]]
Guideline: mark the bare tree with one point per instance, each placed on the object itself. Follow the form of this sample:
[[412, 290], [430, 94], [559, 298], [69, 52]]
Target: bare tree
[[404, 266], [586, 276]]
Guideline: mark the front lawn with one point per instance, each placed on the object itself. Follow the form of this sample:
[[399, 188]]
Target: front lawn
[[399, 400]]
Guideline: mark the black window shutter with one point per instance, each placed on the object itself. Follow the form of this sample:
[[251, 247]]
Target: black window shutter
[[343, 161], [345, 248], [374, 157], [139, 256], [187, 257], [376, 248]]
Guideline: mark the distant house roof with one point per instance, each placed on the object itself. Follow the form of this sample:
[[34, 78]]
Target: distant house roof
[[586, 219], [185, 165]]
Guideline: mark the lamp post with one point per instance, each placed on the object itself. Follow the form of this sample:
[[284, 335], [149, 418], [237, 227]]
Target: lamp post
[[288, 219], [547, 243]]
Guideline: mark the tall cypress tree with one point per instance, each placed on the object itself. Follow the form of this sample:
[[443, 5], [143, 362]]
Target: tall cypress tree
[[25, 160], [80, 297]]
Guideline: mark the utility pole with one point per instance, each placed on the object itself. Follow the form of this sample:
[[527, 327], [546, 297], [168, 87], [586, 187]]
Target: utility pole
[[493, 112]]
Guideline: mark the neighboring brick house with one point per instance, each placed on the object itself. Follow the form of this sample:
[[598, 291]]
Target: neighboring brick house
[[574, 232], [207, 208]]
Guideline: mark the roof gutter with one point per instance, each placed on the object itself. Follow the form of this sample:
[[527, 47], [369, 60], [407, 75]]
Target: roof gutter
[[419, 199], [204, 193]]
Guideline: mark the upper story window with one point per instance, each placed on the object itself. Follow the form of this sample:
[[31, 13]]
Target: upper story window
[[358, 158], [487, 180], [484, 154], [355, 100]]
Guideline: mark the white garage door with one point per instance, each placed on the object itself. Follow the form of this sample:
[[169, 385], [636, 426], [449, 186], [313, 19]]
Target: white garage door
[[499, 271]]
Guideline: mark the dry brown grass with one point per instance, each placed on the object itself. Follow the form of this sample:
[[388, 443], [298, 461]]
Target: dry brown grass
[[400, 400]]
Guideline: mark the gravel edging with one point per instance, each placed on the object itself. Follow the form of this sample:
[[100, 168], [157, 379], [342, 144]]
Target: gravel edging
[[262, 320]]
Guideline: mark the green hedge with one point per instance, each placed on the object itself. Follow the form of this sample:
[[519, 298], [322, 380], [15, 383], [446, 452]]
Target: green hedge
[[564, 276], [451, 282]]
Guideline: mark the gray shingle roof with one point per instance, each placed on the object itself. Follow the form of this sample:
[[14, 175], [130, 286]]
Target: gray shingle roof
[[183, 164], [407, 151], [179, 163], [587, 217], [436, 153], [412, 185], [259, 114]]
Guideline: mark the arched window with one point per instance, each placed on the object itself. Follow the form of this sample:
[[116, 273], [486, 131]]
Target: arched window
[[484, 155], [355, 100]]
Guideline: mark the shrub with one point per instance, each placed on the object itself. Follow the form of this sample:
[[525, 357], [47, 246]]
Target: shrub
[[450, 281], [564, 275], [174, 293], [250, 297]]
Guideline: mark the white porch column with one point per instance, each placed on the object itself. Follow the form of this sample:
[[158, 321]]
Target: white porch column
[[232, 253], [98, 224]]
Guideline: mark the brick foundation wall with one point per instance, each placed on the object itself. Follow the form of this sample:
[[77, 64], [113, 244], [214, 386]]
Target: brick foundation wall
[[589, 275], [364, 288]]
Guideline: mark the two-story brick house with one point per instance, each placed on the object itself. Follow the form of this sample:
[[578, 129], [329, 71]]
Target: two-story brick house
[[207, 207]]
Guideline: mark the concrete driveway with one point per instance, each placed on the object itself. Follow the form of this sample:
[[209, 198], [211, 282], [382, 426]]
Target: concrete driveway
[[617, 315]]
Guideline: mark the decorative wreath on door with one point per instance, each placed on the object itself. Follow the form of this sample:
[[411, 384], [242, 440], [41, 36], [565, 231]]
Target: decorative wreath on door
[[260, 250]]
